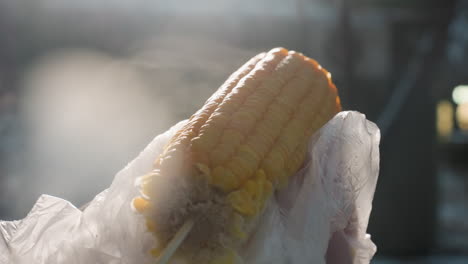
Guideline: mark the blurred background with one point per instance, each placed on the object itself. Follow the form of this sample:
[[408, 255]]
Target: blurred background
[[85, 85]]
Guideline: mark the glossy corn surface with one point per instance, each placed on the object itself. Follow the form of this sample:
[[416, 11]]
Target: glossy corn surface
[[247, 140]]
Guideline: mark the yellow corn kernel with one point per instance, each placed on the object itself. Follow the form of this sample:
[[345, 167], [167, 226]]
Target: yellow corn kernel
[[140, 204], [249, 155], [241, 201], [243, 121], [224, 179], [241, 167], [259, 145], [221, 153]]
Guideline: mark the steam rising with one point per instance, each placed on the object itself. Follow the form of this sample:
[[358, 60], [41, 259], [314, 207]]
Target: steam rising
[[85, 114]]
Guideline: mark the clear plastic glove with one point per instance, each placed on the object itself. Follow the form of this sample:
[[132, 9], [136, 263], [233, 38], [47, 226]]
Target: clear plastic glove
[[321, 217]]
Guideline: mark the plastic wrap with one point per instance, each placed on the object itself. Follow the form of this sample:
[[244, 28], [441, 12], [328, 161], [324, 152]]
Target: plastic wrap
[[321, 217]]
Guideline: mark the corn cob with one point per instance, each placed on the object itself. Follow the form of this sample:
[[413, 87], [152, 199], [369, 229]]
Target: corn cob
[[221, 168]]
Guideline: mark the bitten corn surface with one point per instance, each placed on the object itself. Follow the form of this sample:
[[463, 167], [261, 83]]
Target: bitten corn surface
[[246, 142]]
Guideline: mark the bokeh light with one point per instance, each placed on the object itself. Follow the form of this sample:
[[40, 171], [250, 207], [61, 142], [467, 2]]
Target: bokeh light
[[462, 116], [460, 94], [444, 119]]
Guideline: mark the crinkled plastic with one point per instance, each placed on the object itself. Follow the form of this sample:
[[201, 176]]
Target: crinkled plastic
[[321, 217]]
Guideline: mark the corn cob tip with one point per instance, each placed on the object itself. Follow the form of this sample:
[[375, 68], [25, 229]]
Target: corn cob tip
[[279, 50]]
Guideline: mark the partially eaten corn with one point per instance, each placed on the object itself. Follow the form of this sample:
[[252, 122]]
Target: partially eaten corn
[[222, 167]]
